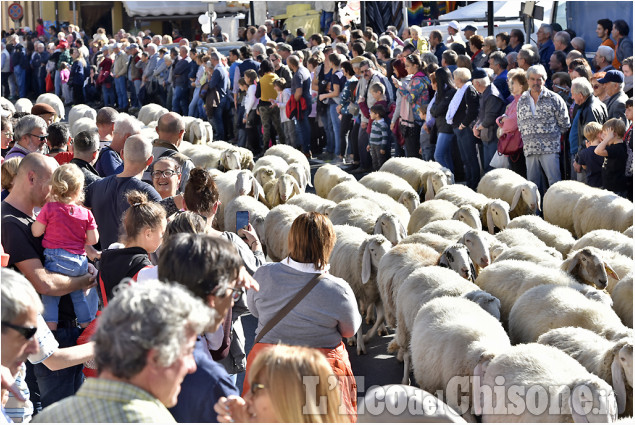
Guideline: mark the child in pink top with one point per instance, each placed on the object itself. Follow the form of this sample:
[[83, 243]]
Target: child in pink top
[[65, 75], [67, 227]]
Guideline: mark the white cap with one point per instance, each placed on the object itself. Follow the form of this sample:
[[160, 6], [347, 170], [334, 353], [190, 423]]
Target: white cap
[[455, 25]]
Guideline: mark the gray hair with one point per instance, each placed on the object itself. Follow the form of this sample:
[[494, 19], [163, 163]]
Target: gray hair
[[126, 124], [336, 29], [512, 58], [385, 40], [606, 52], [27, 124], [137, 149], [528, 55], [578, 43], [581, 86], [548, 29], [499, 59], [260, 47], [482, 81], [18, 295], [462, 74], [147, 316], [341, 48], [215, 56], [539, 70], [428, 57], [563, 37]]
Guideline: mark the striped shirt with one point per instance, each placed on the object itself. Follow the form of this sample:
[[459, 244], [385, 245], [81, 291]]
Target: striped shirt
[[104, 400], [379, 133]]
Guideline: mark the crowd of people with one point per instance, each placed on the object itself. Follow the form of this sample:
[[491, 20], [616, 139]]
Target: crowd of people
[[82, 214]]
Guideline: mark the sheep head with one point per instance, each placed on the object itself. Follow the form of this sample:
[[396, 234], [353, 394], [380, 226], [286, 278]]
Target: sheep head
[[478, 248], [593, 392], [530, 195], [389, 225], [230, 158], [622, 370], [457, 258], [374, 249], [287, 187], [436, 179], [410, 200], [264, 174], [298, 172], [497, 215], [468, 215], [244, 182], [588, 266], [486, 301]]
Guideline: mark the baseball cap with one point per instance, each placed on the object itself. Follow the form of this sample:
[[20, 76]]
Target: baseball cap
[[133, 45], [147, 37], [455, 25], [612, 76]]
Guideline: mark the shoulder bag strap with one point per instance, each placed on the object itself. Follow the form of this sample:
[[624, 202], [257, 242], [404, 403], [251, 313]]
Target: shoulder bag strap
[[289, 306]]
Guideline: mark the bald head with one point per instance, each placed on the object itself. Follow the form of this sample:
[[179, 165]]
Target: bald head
[[171, 127], [136, 150], [40, 165], [33, 178]]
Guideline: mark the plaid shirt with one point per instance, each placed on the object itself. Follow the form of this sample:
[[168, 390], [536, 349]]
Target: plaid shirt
[[103, 400]]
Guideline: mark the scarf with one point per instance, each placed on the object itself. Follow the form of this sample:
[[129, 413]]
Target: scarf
[[456, 101]]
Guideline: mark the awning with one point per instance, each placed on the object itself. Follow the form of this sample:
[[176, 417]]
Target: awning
[[163, 8]]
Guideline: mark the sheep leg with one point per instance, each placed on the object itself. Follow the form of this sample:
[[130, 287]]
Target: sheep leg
[[380, 320], [406, 368], [361, 346], [351, 341], [370, 314]]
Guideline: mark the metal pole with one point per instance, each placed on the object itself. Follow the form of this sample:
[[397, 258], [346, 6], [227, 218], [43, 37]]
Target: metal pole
[[490, 18], [252, 13], [362, 12], [74, 13], [57, 17], [554, 12]]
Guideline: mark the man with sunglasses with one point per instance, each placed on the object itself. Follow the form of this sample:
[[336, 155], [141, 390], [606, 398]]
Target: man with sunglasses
[[30, 135]]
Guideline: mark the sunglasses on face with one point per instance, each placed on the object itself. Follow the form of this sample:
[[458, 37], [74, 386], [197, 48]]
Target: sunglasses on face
[[42, 138], [27, 333]]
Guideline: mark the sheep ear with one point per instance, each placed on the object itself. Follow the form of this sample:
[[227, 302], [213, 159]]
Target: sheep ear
[[516, 198], [473, 271], [619, 386], [296, 188], [429, 189], [257, 189], [402, 230], [537, 194], [308, 177], [609, 271], [366, 264], [443, 261], [251, 165], [377, 230], [572, 263], [576, 407], [490, 221]]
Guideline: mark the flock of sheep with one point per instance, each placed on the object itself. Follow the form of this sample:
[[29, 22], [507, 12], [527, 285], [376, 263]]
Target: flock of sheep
[[474, 283]]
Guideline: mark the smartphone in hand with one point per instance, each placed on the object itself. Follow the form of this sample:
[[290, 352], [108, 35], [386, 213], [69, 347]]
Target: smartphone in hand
[[242, 220]]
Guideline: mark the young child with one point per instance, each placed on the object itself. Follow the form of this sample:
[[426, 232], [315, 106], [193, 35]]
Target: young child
[[379, 141], [586, 159], [67, 227], [9, 170], [288, 125], [613, 149], [65, 74], [242, 93]]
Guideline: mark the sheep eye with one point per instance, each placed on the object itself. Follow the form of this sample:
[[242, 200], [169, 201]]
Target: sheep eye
[[584, 259]]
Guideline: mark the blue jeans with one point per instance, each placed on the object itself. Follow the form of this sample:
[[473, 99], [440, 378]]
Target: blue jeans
[[443, 151], [122, 92], [325, 20], [109, 95], [193, 110], [58, 83], [20, 79], [328, 129], [179, 100], [550, 163], [219, 126], [489, 149], [467, 148], [335, 128], [303, 130], [59, 384], [68, 264]]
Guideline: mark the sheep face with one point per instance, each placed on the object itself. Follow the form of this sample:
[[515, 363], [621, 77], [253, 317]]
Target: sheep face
[[231, 159], [264, 175], [374, 250], [497, 215], [244, 183], [487, 301], [298, 172], [588, 266], [435, 181], [468, 215], [477, 247], [389, 225], [622, 371], [529, 194], [596, 393], [457, 258], [410, 200], [287, 187]]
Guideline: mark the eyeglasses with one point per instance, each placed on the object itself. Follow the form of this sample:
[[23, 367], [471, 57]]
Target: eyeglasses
[[42, 137], [27, 333], [165, 173]]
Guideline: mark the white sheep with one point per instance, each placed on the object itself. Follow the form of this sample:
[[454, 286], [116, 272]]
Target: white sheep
[[508, 280], [402, 260], [523, 237], [279, 191], [291, 155], [629, 232], [277, 164], [355, 258], [348, 189], [449, 229], [236, 158], [83, 124], [277, 226], [327, 177], [81, 111], [210, 131], [621, 264], [547, 307], [494, 212], [231, 185], [7, 105], [536, 383], [421, 175], [298, 172], [23, 105], [393, 186], [552, 235], [369, 217], [196, 132], [609, 240], [602, 209], [311, 202], [450, 338], [264, 174], [202, 155], [151, 112], [439, 209], [609, 360], [537, 256], [426, 284], [477, 241], [622, 296], [434, 241], [559, 202], [257, 214], [521, 194], [55, 102]]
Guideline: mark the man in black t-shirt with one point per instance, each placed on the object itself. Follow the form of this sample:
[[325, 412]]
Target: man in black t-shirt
[[32, 183]]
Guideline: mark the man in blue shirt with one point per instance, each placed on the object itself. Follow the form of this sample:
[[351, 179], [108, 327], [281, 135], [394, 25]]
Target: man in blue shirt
[[181, 82], [109, 161], [219, 82], [546, 46]]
